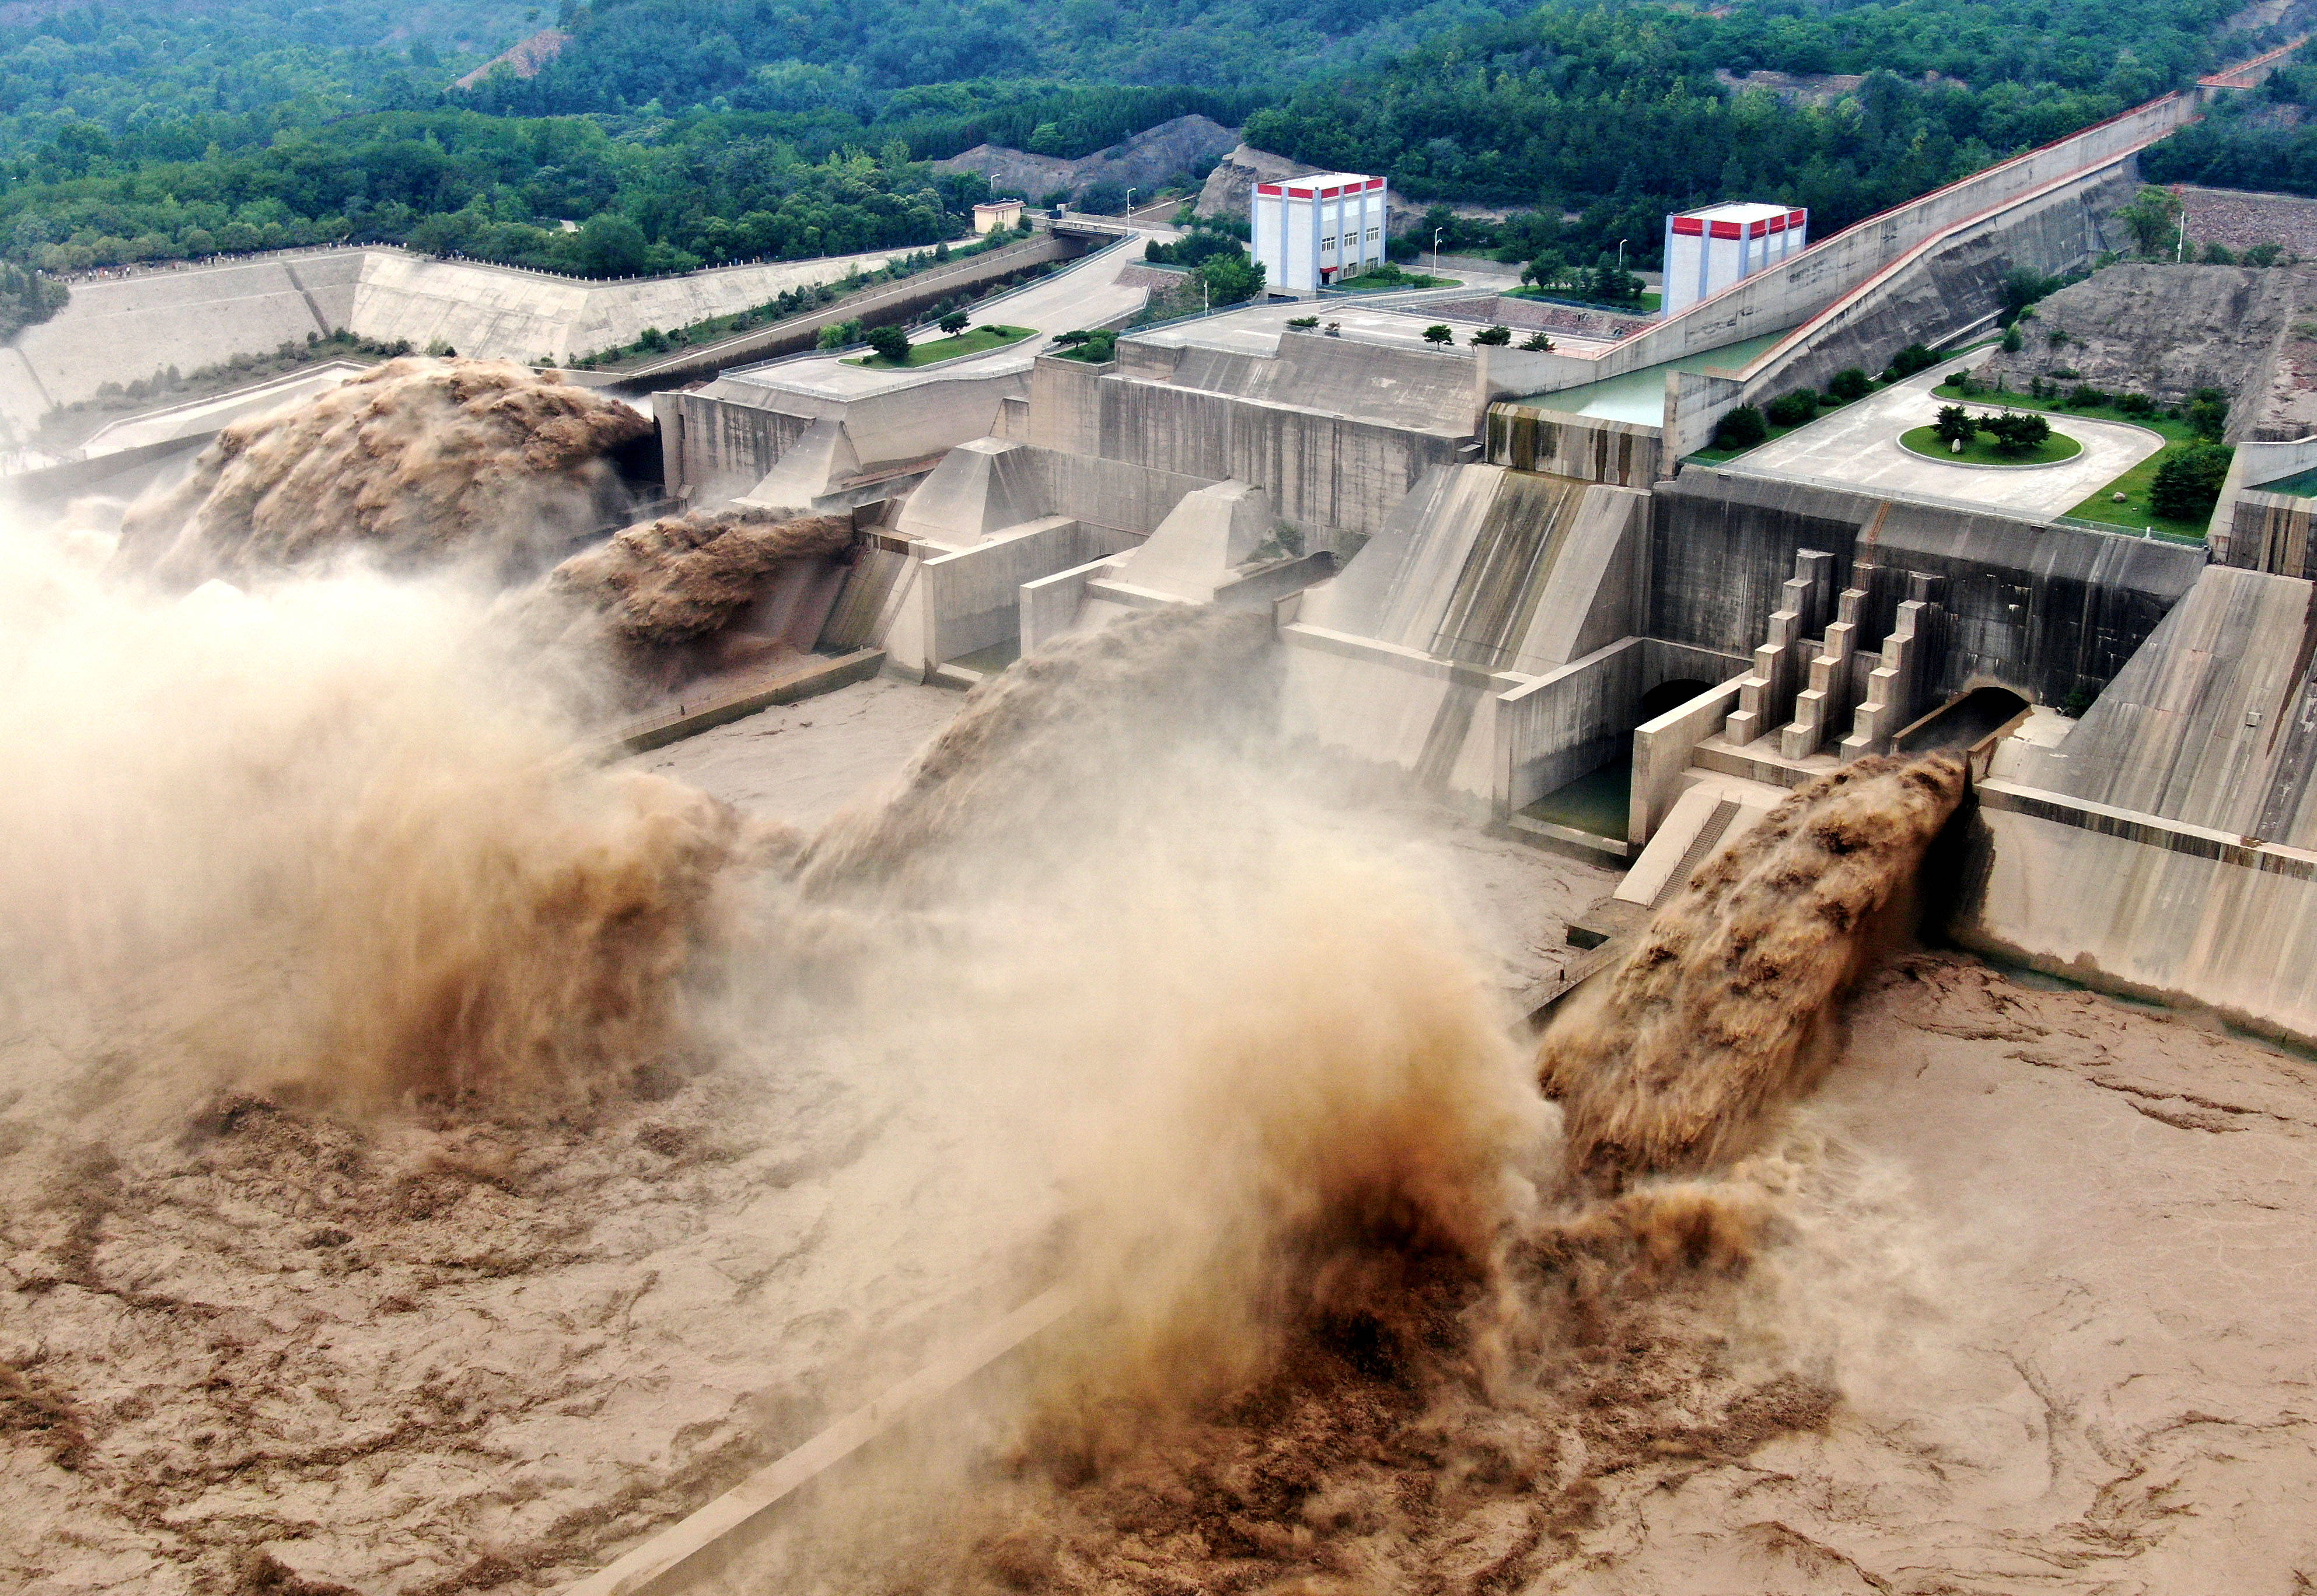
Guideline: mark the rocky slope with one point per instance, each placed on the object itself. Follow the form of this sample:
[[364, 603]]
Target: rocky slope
[[2169, 330], [1148, 159]]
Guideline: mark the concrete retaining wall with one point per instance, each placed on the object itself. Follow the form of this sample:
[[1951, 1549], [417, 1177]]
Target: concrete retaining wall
[[1823, 273], [720, 442], [127, 329], [2049, 610], [1950, 283], [2132, 902]]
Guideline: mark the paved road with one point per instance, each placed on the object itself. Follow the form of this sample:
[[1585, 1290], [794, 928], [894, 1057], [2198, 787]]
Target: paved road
[[1859, 444], [1256, 329], [1084, 295]]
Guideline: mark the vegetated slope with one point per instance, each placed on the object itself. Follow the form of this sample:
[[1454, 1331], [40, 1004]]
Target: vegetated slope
[[626, 52], [228, 72], [2262, 140]]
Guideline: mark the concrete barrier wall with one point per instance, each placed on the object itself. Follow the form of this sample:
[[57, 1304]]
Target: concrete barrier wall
[[1551, 731], [972, 599], [1661, 749], [2051, 611]]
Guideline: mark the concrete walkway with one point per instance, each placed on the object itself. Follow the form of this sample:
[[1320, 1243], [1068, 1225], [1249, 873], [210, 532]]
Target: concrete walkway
[[1859, 444]]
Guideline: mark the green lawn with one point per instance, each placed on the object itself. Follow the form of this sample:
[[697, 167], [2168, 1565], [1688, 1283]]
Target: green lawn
[[935, 351], [1397, 279], [1648, 305], [1982, 450], [2133, 515]]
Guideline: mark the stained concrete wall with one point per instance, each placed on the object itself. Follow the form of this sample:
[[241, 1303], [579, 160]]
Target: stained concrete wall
[[1333, 478], [1590, 448], [2265, 531], [1567, 724], [127, 329], [2049, 610], [2209, 723], [992, 483], [1424, 389]]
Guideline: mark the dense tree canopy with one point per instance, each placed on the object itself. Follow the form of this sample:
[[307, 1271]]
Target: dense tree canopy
[[671, 133]]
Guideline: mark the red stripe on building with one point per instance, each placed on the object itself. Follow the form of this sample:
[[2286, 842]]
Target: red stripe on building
[[1757, 229], [1726, 230], [1375, 183], [1267, 188], [1794, 218], [1689, 225]]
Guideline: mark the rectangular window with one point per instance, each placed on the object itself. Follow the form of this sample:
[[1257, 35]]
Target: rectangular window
[[1373, 234]]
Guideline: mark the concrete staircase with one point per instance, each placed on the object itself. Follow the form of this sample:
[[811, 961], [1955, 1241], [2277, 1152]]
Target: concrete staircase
[[1828, 688]]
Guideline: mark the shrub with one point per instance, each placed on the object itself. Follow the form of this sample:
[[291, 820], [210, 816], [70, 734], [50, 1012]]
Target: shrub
[[2012, 341], [1537, 343], [2218, 254], [1960, 381], [1438, 333], [1742, 428], [955, 322], [2085, 396], [2263, 255], [2017, 431], [1302, 324], [1791, 410], [1911, 360], [2135, 404], [1492, 337], [837, 335], [1850, 384], [1954, 424], [2188, 481], [891, 344], [2207, 413]]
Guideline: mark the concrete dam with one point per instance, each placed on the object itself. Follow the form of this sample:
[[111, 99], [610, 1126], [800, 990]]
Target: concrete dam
[[1277, 960]]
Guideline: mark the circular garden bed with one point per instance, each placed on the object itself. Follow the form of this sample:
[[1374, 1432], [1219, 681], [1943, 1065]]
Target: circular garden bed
[[1980, 451]]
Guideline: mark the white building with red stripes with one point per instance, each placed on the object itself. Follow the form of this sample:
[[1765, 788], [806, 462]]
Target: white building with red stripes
[[1706, 251], [1312, 231]]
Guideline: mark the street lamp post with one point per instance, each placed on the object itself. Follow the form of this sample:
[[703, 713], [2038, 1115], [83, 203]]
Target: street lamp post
[[1621, 255], [1130, 205], [1435, 249]]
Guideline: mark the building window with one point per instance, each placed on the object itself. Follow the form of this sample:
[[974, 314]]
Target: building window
[[1373, 233]]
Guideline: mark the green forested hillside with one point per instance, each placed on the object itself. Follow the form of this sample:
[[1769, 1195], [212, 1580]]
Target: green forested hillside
[[232, 74], [687, 131]]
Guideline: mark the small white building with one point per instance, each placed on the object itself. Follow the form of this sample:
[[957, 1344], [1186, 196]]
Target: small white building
[[997, 214], [1706, 251], [1312, 231]]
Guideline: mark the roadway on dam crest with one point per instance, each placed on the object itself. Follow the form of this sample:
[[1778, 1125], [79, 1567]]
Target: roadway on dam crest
[[1859, 445]]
